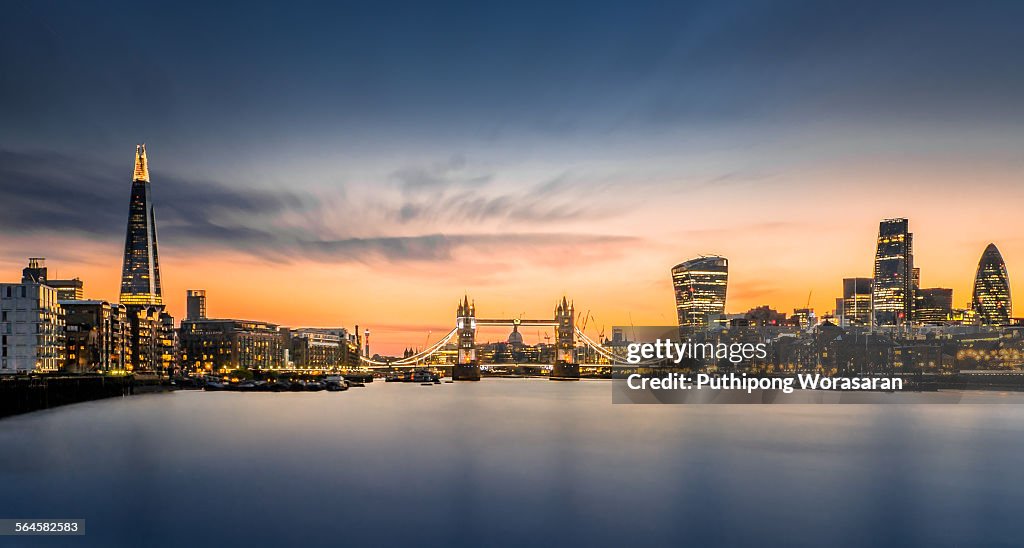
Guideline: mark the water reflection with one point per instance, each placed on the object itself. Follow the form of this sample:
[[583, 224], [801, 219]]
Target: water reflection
[[511, 462]]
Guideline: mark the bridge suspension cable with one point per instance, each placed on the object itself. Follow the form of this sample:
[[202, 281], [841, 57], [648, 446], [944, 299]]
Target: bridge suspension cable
[[415, 358], [604, 352], [607, 354]]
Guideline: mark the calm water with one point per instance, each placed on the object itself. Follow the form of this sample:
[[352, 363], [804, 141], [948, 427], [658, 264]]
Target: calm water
[[512, 462]]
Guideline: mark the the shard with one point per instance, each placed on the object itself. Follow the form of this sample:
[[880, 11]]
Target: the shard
[[140, 275]]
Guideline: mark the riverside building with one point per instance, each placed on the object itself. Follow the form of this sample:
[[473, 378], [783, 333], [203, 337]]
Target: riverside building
[[31, 328]]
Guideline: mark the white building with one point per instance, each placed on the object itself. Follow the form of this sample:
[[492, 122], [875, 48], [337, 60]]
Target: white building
[[31, 329]]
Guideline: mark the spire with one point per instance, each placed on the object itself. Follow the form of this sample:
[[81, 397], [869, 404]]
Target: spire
[[140, 273], [141, 166]]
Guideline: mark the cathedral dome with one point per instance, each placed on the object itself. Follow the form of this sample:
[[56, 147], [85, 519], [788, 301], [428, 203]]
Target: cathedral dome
[[515, 337]]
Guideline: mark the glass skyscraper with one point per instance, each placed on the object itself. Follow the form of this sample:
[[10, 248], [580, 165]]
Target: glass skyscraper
[[700, 285], [856, 301], [991, 299], [892, 289], [934, 305], [140, 275]]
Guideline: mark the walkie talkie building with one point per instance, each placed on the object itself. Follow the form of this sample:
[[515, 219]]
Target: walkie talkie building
[[700, 286]]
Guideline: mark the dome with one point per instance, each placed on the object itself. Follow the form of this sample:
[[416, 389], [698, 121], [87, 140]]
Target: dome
[[515, 337]]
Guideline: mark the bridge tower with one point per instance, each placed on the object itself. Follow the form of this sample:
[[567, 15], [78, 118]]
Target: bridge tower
[[467, 368], [565, 366]]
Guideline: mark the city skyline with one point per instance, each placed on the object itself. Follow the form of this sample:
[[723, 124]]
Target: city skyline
[[339, 188], [894, 245]]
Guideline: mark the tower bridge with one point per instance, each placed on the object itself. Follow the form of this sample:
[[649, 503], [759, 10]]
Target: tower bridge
[[467, 365]]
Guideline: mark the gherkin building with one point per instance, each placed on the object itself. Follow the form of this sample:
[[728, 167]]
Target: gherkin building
[[991, 301]]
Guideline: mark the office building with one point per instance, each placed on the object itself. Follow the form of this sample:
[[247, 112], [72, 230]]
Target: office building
[[893, 284], [140, 273], [700, 287], [856, 302], [991, 299], [934, 306], [151, 344]]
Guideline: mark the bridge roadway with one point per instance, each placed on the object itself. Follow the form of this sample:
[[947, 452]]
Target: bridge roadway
[[486, 322], [484, 365]]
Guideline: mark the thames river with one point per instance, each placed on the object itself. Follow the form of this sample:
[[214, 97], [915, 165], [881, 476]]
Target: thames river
[[512, 462]]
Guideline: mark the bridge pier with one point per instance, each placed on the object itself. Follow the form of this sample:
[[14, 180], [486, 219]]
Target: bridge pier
[[565, 372], [466, 372]]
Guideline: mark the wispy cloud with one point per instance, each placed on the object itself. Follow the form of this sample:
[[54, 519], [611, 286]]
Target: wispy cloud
[[50, 192], [47, 194], [454, 192]]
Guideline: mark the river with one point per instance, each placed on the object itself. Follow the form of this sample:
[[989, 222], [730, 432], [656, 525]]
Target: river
[[512, 462]]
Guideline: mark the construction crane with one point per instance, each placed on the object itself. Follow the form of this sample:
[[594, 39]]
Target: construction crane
[[585, 318]]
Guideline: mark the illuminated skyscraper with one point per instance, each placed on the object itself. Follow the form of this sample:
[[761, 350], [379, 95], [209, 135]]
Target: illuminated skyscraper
[[140, 275], [892, 290], [700, 285], [992, 289], [934, 306], [856, 301]]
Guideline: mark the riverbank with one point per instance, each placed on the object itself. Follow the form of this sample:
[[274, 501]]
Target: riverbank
[[33, 393]]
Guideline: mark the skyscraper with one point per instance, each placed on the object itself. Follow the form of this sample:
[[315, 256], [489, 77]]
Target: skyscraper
[[892, 291], [700, 285], [140, 275], [856, 301], [991, 299], [934, 306]]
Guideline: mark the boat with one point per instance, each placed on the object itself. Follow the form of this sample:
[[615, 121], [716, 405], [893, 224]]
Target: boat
[[335, 386]]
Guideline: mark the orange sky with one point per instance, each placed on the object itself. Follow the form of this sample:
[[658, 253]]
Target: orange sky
[[784, 239]]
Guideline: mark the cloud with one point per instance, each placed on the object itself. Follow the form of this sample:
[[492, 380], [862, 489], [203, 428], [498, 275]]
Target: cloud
[[451, 192], [429, 247], [46, 194], [440, 175]]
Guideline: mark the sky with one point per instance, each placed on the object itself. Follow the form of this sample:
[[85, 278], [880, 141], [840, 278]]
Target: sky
[[334, 164]]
